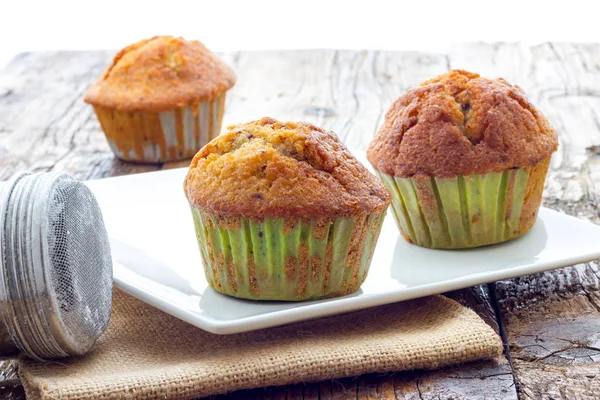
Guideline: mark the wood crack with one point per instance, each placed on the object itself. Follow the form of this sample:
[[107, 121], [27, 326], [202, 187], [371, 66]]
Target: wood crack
[[76, 99], [348, 123], [504, 336], [419, 388], [72, 145], [334, 64], [377, 81], [481, 377], [448, 63], [557, 352], [560, 62], [395, 386], [579, 345], [236, 59], [591, 300]]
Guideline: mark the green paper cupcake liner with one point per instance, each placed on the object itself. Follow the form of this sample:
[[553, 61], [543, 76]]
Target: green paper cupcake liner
[[467, 211], [286, 259]]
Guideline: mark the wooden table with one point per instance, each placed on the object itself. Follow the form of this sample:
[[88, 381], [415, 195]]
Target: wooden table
[[550, 322]]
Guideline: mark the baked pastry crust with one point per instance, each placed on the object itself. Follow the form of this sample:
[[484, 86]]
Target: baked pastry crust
[[461, 124], [268, 168], [159, 74]]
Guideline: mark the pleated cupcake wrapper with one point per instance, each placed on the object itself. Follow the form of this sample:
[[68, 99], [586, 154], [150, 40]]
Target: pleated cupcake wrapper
[[283, 259], [152, 137], [467, 211]]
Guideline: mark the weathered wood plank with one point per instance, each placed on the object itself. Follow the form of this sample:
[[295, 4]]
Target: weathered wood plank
[[44, 125], [10, 386], [552, 319], [470, 381]]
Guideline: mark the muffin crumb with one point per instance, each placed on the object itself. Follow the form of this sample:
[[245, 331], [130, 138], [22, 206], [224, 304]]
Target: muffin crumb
[[161, 73], [461, 124], [282, 169]]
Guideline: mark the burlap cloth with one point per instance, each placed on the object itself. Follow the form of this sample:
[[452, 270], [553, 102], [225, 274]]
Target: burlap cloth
[[147, 354]]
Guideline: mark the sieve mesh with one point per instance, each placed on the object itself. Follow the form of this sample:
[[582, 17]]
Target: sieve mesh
[[81, 266], [56, 266]]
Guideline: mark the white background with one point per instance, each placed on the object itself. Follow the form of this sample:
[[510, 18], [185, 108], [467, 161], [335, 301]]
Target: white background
[[27, 25]]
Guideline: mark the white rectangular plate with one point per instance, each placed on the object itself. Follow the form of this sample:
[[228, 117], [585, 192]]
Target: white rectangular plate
[[156, 259]]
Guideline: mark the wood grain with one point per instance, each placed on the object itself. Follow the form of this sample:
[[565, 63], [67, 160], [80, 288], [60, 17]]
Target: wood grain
[[471, 381], [550, 321]]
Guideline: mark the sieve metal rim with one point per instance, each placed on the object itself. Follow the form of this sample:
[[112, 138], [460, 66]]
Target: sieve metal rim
[[15, 311], [27, 294], [7, 314]]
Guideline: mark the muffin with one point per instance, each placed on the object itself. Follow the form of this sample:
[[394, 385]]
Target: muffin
[[465, 158], [161, 100], [283, 211]]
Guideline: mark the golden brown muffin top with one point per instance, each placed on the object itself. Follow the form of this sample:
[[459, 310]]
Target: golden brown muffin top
[[460, 124], [268, 168], [159, 74]]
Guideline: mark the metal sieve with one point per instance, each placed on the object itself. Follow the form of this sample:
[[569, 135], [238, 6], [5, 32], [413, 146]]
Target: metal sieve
[[55, 268]]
